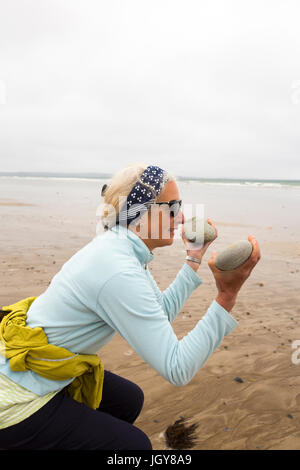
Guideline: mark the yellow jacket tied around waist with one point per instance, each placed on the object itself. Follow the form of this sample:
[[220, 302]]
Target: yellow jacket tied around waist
[[28, 349]]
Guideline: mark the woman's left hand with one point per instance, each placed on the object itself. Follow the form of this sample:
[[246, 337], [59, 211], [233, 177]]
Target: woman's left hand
[[194, 249]]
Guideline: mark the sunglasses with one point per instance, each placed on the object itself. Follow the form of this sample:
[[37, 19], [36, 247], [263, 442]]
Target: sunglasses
[[174, 206]]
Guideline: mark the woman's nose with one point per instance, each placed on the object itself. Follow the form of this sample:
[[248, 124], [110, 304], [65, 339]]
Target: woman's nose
[[179, 218]]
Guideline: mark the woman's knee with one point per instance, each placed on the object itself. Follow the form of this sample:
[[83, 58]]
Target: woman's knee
[[141, 441], [137, 402], [140, 397], [121, 397]]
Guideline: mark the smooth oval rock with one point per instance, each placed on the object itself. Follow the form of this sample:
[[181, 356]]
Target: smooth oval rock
[[234, 256], [195, 230]]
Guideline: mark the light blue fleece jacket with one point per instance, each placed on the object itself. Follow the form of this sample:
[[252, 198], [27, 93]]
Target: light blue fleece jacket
[[106, 287]]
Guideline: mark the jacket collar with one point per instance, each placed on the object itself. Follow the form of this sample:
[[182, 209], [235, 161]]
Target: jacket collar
[[141, 251]]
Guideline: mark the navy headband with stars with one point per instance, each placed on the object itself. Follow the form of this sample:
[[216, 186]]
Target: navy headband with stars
[[142, 195]]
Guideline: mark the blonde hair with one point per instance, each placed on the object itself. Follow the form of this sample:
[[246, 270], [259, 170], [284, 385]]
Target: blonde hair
[[120, 185]]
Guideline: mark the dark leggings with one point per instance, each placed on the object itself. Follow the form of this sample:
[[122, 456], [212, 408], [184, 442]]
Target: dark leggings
[[65, 424]]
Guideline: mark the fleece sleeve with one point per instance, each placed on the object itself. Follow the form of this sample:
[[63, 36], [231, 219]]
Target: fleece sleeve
[[127, 302], [175, 296]]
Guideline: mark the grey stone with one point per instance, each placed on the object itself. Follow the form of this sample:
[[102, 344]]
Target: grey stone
[[234, 256], [197, 229], [238, 379]]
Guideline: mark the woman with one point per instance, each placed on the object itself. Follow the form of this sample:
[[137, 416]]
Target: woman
[[104, 288]]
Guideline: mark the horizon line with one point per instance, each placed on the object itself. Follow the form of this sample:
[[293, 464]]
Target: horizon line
[[110, 175]]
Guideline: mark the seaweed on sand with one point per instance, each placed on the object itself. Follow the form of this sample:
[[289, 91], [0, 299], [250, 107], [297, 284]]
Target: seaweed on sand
[[180, 435]]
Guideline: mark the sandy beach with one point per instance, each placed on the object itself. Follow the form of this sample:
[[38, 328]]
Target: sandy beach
[[43, 223]]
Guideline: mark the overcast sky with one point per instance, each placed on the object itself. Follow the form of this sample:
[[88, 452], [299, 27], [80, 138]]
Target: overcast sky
[[203, 88]]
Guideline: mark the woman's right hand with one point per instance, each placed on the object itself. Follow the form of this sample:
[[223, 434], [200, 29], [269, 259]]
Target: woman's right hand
[[230, 282]]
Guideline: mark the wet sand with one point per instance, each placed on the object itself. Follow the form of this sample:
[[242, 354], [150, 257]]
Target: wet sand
[[262, 411]]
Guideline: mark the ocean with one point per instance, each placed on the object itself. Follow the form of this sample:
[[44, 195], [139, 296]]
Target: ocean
[[100, 176], [252, 203]]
